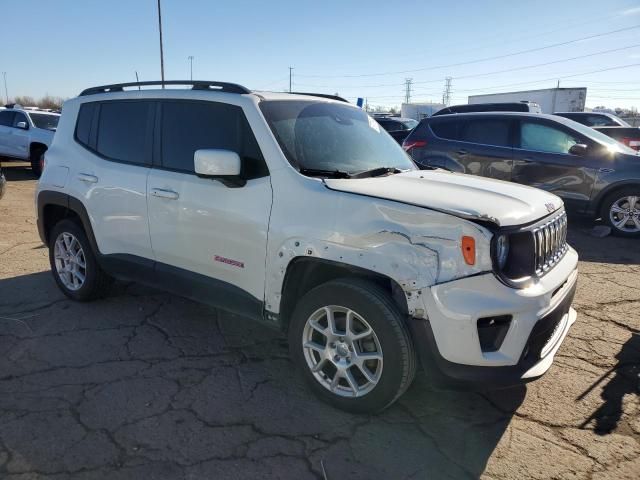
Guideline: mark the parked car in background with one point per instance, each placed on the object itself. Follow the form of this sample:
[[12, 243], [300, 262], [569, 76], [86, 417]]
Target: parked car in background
[[397, 127], [300, 212], [609, 124], [491, 107], [590, 171], [25, 134]]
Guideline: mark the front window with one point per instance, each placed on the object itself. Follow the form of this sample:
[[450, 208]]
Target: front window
[[42, 120], [541, 138], [327, 137]]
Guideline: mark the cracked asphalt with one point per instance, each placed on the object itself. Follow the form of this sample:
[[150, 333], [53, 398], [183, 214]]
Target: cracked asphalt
[[146, 385]]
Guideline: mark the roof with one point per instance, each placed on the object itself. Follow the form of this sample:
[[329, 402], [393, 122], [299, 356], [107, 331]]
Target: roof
[[203, 85], [458, 116]]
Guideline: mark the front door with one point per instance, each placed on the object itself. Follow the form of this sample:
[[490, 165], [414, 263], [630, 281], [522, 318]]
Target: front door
[[20, 136], [207, 234], [542, 160]]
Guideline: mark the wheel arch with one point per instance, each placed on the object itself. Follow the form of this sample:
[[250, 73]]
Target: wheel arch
[[37, 145], [55, 206], [306, 273], [602, 195]]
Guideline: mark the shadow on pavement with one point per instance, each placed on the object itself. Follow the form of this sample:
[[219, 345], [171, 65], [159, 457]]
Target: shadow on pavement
[[178, 382], [609, 249], [625, 381], [17, 171]]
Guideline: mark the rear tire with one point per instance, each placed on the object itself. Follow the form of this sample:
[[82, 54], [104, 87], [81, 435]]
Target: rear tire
[[621, 205], [36, 160], [74, 265], [374, 358]]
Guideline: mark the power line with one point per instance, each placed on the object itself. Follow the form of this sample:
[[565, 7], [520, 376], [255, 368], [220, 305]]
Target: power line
[[495, 72], [496, 57]]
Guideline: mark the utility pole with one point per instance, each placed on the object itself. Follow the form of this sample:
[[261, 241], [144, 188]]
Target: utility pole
[[407, 90], [6, 92], [161, 52], [190, 57], [290, 78], [446, 95]]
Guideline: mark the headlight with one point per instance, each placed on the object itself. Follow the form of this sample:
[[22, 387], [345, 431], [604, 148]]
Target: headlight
[[502, 251]]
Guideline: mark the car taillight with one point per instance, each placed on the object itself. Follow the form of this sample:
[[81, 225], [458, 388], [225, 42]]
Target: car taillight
[[631, 142], [408, 145]]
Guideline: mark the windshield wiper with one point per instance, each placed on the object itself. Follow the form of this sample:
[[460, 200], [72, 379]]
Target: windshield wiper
[[376, 172], [325, 173]]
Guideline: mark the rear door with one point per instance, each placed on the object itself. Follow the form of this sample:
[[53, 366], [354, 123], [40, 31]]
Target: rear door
[[204, 232], [542, 160], [111, 179], [485, 147], [6, 123]]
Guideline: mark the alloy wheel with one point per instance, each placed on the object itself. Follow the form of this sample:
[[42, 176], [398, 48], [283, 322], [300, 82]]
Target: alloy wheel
[[71, 265], [625, 214], [342, 351]]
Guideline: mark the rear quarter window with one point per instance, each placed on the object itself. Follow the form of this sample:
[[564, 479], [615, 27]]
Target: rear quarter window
[[84, 123], [447, 130]]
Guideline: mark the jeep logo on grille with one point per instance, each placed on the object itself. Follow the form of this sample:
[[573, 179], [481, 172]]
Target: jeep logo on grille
[[550, 207]]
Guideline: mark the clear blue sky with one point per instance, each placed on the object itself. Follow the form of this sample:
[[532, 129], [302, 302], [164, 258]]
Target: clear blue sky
[[60, 47]]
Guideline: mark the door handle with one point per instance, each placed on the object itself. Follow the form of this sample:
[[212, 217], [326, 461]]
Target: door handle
[[462, 152], [162, 193], [85, 177]]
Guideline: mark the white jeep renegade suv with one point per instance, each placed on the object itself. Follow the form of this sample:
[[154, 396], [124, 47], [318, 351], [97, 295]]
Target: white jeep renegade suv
[[303, 213]]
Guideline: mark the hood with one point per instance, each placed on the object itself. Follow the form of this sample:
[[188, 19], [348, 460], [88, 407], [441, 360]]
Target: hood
[[466, 196]]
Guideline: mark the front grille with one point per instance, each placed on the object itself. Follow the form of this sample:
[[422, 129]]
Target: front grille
[[550, 243]]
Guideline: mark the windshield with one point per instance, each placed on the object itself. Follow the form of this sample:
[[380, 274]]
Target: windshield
[[332, 137], [608, 142], [42, 120]]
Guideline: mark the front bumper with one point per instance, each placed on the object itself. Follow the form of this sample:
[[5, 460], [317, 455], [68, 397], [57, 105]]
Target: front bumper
[[448, 341]]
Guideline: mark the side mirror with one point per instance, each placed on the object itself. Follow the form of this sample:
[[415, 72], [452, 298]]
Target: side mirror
[[224, 165], [579, 149], [22, 125]]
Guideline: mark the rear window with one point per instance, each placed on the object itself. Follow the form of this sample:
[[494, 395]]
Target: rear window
[[124, 131], [486, 132], [190, 126]]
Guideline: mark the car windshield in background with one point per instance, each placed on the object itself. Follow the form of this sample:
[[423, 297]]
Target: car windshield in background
[[42, 120], [600, 137], [410, 124], [331, 137]]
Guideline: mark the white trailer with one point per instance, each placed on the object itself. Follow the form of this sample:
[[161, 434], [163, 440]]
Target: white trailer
[[418, 111], [551, 100]]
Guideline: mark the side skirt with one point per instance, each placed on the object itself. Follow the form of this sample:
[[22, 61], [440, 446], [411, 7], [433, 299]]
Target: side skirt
[[194, 286]]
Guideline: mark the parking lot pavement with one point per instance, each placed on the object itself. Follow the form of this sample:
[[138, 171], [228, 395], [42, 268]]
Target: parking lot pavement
[[147, 385]]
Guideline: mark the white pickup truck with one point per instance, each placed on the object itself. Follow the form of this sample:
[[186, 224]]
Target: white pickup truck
[[26, 133]]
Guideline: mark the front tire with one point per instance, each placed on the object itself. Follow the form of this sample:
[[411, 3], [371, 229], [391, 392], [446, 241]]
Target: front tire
[[352, 344], [621, 211], [74, 265]]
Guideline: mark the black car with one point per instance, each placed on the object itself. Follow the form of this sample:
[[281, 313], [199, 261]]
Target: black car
[[523, 106], [397, 127], [593, 173]]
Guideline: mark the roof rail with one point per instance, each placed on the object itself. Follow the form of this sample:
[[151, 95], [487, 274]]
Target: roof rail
[[322, 95], [195, 85]]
